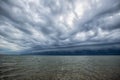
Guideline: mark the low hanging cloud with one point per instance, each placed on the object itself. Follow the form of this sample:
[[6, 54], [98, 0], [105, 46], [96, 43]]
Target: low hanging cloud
[[30, 24]]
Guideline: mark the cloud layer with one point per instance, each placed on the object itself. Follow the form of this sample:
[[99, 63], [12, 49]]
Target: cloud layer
[[30, 24]]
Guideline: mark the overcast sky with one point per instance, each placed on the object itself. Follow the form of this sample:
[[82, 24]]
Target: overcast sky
[[27, 24]]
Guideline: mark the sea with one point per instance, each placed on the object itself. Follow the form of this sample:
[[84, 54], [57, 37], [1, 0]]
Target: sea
[[36, 67]]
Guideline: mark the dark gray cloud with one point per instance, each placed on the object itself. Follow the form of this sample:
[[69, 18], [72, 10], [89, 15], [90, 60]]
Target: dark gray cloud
[[27, 24]]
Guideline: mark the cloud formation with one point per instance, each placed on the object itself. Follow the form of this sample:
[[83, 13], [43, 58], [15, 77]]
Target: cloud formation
[[30, 24]]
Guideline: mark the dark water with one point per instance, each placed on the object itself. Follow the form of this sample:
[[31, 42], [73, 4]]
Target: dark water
[[59, 67]]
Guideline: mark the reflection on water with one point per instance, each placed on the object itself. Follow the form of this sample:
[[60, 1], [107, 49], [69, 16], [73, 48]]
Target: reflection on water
[[59, 67]]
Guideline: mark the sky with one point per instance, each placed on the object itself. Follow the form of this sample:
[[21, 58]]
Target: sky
[[31, 25]]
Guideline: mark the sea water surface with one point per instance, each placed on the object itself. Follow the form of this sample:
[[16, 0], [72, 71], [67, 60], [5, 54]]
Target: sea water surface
[[59, 67]]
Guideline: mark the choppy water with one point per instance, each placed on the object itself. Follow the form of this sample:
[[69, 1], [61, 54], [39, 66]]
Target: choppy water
[[59, 67]]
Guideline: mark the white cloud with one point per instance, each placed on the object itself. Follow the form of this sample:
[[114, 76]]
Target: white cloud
[[25, 24]]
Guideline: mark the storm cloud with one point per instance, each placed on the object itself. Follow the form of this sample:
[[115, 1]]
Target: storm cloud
[[31, 24]]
